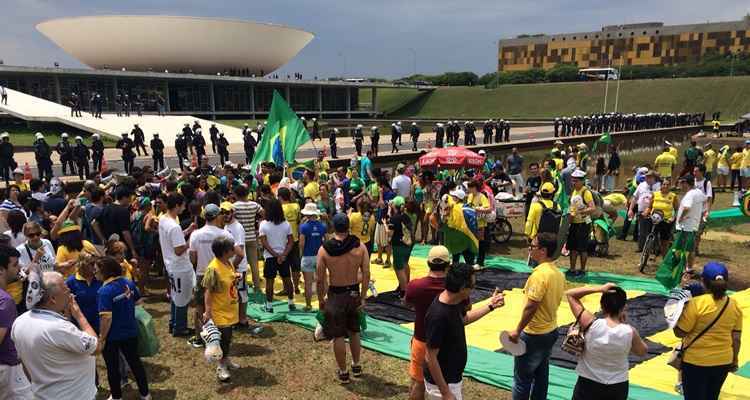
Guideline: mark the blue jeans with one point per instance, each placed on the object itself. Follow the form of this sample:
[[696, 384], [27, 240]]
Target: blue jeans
[[531, 370], [178, 318]]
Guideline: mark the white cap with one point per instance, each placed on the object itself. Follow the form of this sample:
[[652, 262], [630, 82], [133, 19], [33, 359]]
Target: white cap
[[79, 138], [64, 135], [482, 152], [578, 174], [336, 130], [156, 134], [4, 134], [359, 125], [398, 123], [39, 135], [374, 128], [413, 124], [315, 119], [302, 118], [459, 193]]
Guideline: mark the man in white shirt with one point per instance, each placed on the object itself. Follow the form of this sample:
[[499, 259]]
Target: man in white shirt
[[703, 183], [689, 217], [58, 356], [177, 263], [639, 203], [200, 255], [401, 184]]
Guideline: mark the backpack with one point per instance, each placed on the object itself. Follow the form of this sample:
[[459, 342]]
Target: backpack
[[598, 200], [549, 221]]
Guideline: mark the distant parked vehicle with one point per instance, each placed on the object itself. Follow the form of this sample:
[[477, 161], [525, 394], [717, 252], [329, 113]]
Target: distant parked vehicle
[[598, 74]]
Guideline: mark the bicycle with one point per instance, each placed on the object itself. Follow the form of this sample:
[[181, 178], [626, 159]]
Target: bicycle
[[500, 231], [652, 245]]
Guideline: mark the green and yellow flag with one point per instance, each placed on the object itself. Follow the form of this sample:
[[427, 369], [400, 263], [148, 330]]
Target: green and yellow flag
[[283, 135]]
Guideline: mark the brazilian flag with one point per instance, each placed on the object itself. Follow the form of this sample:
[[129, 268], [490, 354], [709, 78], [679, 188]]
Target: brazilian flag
[[284, 134]]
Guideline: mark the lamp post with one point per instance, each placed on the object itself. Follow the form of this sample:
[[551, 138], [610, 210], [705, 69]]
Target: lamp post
[[414, 54]]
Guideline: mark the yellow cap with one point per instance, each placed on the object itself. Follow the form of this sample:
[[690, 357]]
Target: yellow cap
[[548, 188], [227, 206]]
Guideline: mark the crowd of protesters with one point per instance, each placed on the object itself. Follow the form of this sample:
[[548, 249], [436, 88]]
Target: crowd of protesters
[[76, 260]]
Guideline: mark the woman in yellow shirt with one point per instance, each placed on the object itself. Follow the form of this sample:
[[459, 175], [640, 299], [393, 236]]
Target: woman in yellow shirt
[[478, 201], [722, 166], [362, 223], [220, 298], [665, 202], [71, 245], [735, 164], [708, 359], [116, 249]]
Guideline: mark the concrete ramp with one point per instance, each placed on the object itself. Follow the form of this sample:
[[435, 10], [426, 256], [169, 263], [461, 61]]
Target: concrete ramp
[[31, 108]]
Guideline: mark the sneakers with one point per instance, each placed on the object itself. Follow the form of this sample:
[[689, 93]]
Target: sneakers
[[343, 377], [268, 308], [678, 388], [292, 307], [196, 342], [222, 373], [356, 370], [378, 261]]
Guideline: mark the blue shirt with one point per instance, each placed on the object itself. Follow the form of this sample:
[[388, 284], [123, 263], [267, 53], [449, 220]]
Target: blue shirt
[[314, 233], [116, 299], [87, 297]]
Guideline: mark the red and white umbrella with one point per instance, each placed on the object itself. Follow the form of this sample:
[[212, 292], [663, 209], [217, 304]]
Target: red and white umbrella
[[451, 157]]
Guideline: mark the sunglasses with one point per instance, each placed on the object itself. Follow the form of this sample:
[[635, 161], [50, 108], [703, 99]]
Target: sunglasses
[[33, 234]]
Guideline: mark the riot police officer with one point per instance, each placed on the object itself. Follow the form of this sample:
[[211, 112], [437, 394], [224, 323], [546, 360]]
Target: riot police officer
[[7, 164], [223, 146], [374, 140], [97, 151], [394, 138], [187, 134], [43, 155], [181, 147], [213, 134], [81, 156], [358, 138], [157, 152], [248, 142], [139, 139], [315, 130], [199, 143], [414, 133], [65, 150], [332, 142], [439, 134], [126, 145]]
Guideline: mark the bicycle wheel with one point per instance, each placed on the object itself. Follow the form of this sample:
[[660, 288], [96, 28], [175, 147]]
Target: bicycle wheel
[[647, 249], [501, 231]]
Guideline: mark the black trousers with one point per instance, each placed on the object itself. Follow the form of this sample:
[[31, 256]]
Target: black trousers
[[158, 162], [213, 146], [703, 383], [394, 148], [129, 349], [358, 147], [97, 163], [223, 156], [45, 169], [5, 172], [128, 165], [181, 158], [586, 389], [139, 146], [414, 144], [66, 163], [83, 169], [333, 150]]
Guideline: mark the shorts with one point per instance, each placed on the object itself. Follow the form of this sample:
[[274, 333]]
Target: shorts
[[578, 237], [416, 365], [181, 287], [745, 172], [401, 256], [271, 267], [199, 291], [722, 171], [293, 258], [14, 382], [251, 252], [664, 230], [242, 287], [341, 314], [309, 264], [432, 392]]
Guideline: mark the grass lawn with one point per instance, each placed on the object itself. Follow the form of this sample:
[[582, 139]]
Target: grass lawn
[[21, 136], [548, 100], [389, 99], [284, 363]]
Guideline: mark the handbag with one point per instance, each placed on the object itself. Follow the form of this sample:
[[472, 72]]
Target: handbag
[[675, 358], [574, 342]]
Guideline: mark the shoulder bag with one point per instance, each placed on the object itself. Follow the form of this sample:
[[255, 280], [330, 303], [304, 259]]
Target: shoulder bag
[[675, 359]]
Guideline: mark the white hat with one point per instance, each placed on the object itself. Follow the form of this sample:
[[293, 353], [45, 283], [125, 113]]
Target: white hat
[[64, 135], [18, 171], [5, 135], [156, 134], [302, 118], [315, 119], [96, 135], [374, 128], [642, 171], [359, 125], [79, 138], [310, 209], [413, 124], [398, 123], [39, 135], [578, 174], [459, 193], [336, 130], [482, 152]]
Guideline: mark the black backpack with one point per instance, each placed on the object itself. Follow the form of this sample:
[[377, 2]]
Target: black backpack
[[549, 222]]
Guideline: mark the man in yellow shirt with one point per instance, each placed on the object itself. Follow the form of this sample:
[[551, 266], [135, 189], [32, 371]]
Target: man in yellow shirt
[[735, 165], [362, 223], [665, 162], [547, 192], [538, 325], [478, 201], [312, 188], [581, 207], [709, 160], [745, 166], [220, 299], [293, 216], [722, 166]]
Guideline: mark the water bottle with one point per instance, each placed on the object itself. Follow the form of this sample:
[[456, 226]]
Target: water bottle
[[373, 290]]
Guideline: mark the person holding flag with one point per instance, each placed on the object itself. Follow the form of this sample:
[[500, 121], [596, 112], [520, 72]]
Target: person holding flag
[[283, 135]]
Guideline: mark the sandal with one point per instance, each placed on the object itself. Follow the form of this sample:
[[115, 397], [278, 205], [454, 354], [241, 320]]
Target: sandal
[[344, 377], [378, 261], [356, 370]]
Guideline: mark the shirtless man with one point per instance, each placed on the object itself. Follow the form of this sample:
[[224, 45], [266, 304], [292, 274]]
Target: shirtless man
[[343, 276]]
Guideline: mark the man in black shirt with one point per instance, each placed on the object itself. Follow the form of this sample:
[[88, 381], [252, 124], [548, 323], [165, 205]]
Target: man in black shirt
[[446, 336], [332, 142], [223, 146], [374, 139], [126, 145], [533, 183], [139, 139], [115, 218], [214, 135]]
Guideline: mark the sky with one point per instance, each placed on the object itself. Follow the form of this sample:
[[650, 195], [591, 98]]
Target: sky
[[369, 38]]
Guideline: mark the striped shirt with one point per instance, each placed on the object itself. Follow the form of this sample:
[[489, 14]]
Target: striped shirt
[[247, 212]]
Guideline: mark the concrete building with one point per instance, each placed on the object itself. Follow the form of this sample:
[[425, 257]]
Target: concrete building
[[650, 43]]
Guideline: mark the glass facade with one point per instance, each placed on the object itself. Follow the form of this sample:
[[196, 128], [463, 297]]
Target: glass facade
[[232, 98], [303, 98], [143, 90], [84, 87], [189, 97], [264, 96]]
